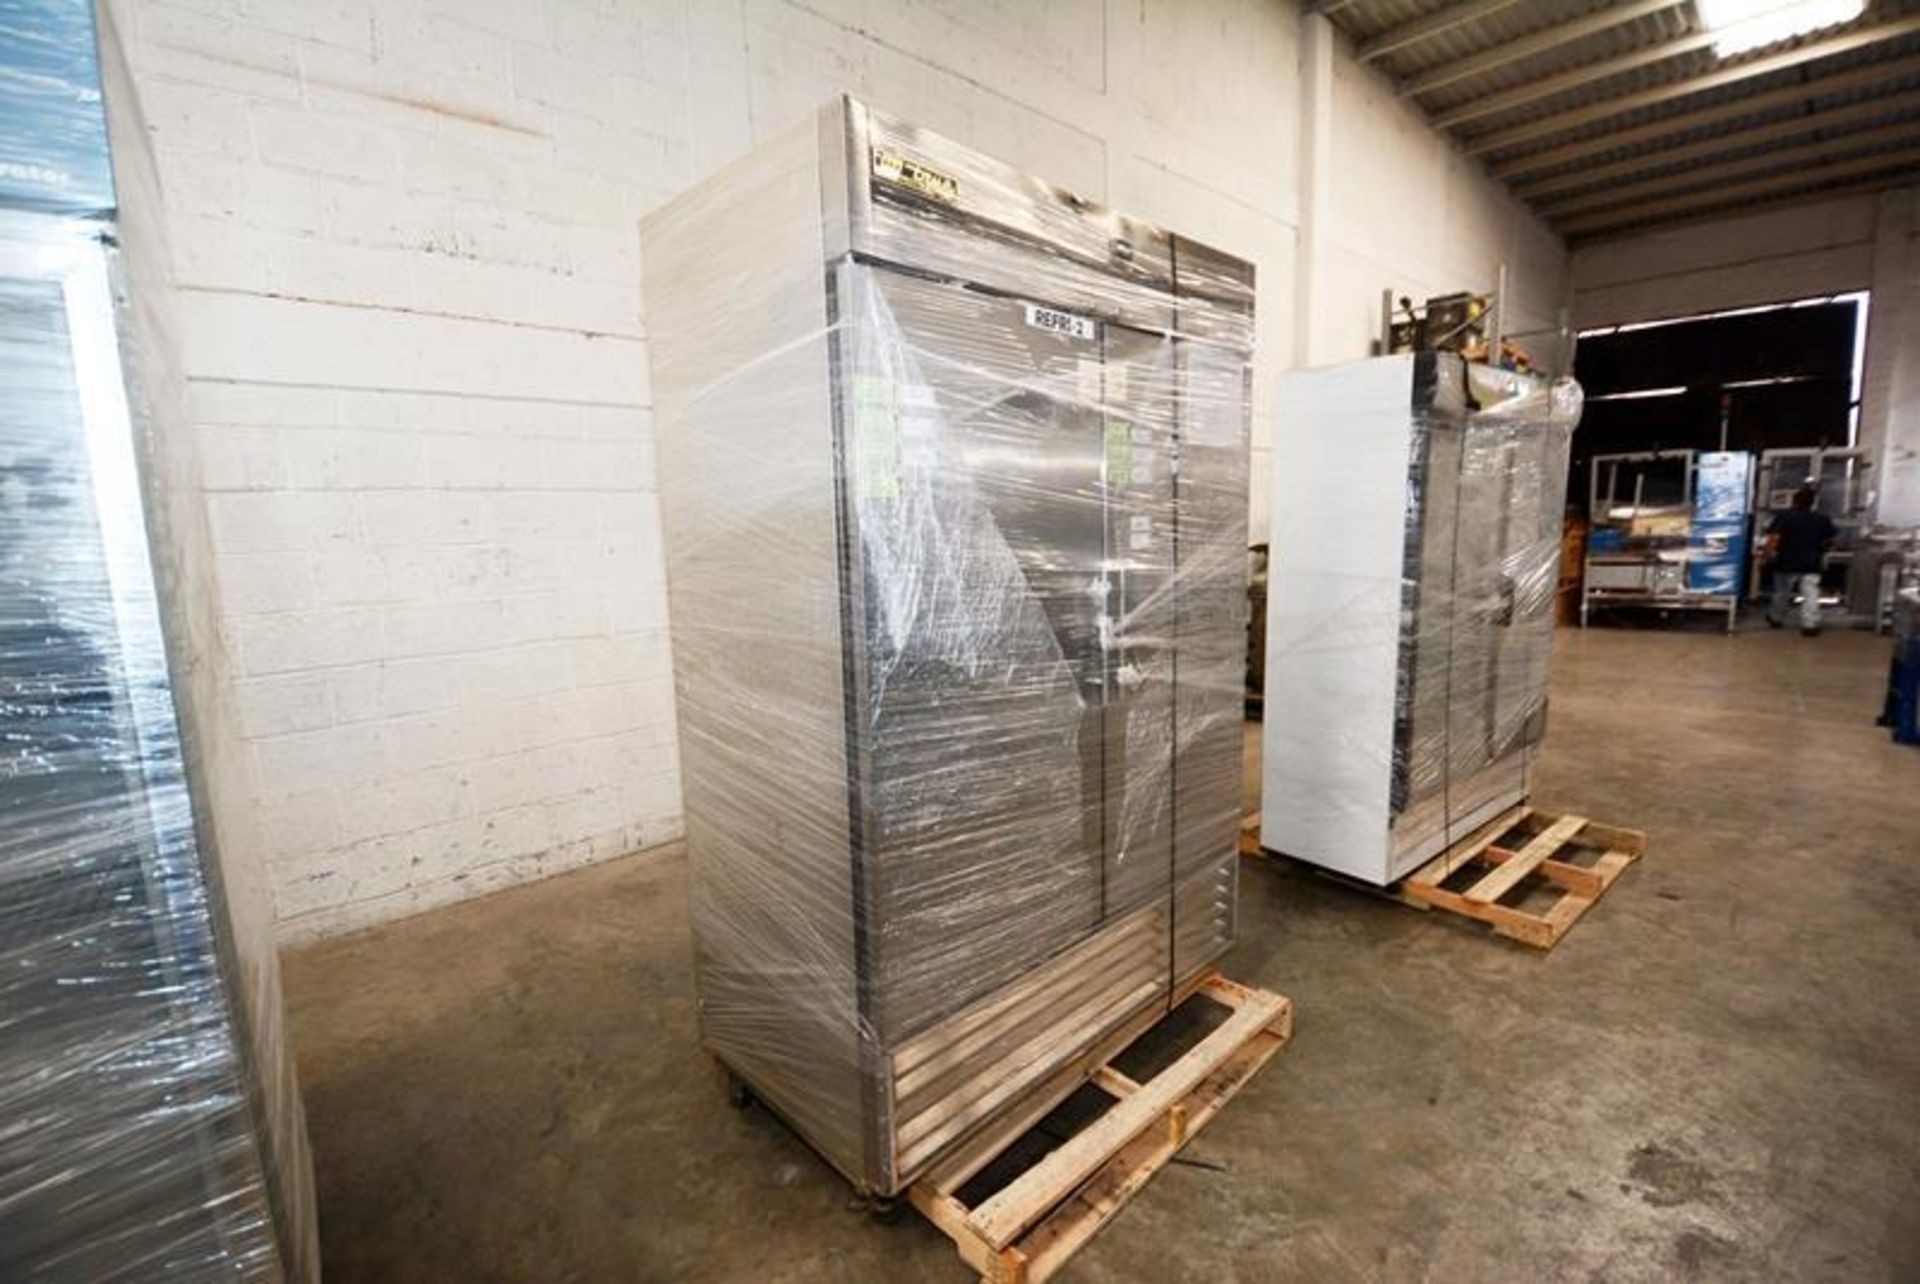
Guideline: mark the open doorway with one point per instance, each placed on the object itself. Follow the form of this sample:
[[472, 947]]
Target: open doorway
[[1697, 429]]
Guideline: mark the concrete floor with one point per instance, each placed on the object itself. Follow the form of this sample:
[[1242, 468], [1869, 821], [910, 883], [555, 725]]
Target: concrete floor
[[1713, 1077]]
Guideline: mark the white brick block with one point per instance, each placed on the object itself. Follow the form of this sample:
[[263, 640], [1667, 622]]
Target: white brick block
[[593, 812], [325, 143], [598, 661], [338, 22], [486, 463], [294, 823], [256, 405], [447, 573], [544, 515], [278, 705], [308, 882], [350, 575], [582, 197], [445, 628], [260, 522], [616, 423], [544, 76], [403, 802], [447, 49], [440, 165], [515, 832], [384, 866], [520, 19], [427, 517], [240, 75], [240, 459], [337, 756], [586, 33], [256, 583], [308, 268], [393, 689], [599, 465], [510, 236], [534, 617], [511, 780], [519, 673], [220, 254], [197, 118], [434, 739], [346, 459], [296, 641]]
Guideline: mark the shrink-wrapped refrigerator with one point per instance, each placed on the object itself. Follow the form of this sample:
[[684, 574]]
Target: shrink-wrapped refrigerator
[[1416, 507], [952, 473], [150, 1126]]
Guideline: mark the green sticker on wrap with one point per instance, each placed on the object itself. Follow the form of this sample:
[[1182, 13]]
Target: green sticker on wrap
[[876, 436], [1119, 451]]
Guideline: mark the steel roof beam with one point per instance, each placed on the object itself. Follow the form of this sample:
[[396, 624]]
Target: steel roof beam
[[1898, 158], [1528, 46], [1683, 123], [1761, 204], [1574, 117], [1410, 33], [1730, 141], [1574, 78], [1905, 131]]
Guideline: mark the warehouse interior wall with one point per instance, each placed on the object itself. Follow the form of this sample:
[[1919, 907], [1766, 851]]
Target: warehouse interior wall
[[1869, 241], [404, 236]]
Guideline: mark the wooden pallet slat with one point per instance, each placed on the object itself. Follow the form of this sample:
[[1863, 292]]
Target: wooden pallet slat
[[1505, 876], [1026, 1230]]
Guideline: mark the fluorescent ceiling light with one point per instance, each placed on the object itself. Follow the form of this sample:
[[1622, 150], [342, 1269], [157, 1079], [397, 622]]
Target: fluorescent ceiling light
[[1768, 383], [1639, 394], [1742, 25]]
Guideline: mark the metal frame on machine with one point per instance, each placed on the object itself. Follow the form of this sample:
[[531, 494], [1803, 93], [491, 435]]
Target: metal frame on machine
[[1681, 598]]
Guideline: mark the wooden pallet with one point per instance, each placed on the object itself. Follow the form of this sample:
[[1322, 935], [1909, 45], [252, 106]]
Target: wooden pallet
[[1024, 1231], [1511, 854], [1488, 867]]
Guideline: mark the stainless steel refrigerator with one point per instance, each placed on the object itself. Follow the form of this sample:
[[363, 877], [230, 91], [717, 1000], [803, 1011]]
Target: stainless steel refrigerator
[[953, 476], [1417, 505]]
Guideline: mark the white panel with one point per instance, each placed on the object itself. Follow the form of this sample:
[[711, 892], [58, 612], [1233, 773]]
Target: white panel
[[1339, 498]]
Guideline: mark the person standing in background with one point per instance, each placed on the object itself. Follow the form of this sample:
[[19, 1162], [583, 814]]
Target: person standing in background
[[1797, 544]]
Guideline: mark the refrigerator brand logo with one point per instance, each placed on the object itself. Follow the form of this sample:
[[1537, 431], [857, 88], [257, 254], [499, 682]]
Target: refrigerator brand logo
[[895, 168], [1060, 322]]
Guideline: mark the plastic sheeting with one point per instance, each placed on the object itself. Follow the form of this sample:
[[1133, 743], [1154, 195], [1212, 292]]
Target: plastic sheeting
[[1417, 507], [149, 1124], [953, 477]]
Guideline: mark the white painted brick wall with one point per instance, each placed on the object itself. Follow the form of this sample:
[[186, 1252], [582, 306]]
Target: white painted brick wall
[[405, 231]]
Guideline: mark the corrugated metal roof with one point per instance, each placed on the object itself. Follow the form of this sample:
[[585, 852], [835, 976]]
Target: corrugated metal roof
[[1538, 112]]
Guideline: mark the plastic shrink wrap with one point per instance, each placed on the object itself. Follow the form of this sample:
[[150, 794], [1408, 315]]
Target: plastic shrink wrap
[[1417, 503], [150, 1128], [953, 475]]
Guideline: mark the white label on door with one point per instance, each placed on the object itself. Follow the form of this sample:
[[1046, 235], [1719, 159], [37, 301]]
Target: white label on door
[[1074, 327]]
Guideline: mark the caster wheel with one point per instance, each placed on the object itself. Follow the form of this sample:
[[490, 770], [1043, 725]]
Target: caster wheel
[[739, 1095], [882, 1210]]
